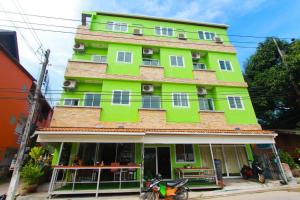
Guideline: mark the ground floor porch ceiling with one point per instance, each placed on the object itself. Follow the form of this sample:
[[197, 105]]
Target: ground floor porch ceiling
[[155, 136]]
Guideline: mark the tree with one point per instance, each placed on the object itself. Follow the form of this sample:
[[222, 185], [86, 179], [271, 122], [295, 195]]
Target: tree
[[274, 83]]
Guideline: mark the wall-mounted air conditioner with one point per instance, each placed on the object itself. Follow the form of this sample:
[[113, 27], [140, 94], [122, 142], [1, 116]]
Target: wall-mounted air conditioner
[[182, 36], [147, 88], [148, 51], [201, 91], [196, 56], [79, 48], [69, 85], [218, 40], [137, 31]]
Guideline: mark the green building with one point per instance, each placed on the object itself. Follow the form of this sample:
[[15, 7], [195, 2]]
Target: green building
[[150, 95]]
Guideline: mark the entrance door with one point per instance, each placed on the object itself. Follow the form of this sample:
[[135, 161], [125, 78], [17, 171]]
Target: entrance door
[[157, 160], [164, 162]]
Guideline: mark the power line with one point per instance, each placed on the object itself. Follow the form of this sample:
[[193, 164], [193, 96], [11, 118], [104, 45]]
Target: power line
[[137, 26]]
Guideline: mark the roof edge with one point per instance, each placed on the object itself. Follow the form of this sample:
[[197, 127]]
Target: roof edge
[[216, 25]]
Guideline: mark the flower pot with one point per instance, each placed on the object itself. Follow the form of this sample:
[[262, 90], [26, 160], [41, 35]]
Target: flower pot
[[32, 188]]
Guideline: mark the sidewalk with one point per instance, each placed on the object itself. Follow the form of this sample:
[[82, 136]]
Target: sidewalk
[[233, 187]]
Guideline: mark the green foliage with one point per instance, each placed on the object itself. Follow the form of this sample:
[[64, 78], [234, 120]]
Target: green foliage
[[35, 153], [285, 157], [31, 173], [274, 85]]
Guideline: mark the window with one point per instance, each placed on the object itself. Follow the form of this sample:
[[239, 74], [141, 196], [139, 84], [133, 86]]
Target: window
[[117, 26], [150, 62], [151, 101], [180, 100], [206, 104], [225, 65], [124, 57], [71, 102], [92, 100], [235, 102], [176, 61], [204, 35], [164, 31], [184, 153], [199, 66], [98, 59], [120, 97]]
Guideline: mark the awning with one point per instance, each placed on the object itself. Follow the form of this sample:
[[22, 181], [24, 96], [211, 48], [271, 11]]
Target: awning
[[155, 136]]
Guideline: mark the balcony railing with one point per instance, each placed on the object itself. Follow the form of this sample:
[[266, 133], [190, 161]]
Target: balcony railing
[[151, 102], [199, 66], [99, 59], [150, 62]]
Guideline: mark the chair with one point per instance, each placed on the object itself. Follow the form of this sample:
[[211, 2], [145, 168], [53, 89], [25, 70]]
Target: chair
[[131, 172], [116, 172]]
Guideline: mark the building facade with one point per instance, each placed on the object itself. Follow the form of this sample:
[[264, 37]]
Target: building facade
[[164, 94]]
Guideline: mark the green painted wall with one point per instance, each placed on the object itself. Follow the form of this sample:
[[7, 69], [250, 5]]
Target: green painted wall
[[55, 155], [176, 72], [99, 24], [180, 114], [120, 113]]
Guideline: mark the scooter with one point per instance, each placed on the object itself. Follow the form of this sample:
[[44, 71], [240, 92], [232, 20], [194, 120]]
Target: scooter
[[3, 197], [256, 172], [166, 190]]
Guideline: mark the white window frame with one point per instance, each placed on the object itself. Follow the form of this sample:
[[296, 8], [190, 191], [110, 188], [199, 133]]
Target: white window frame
[[231, 70], [120, 104], [183, 66], [94, 55], [242, 103], [212, 103], [204, 35], [124, 62], [150, 101], [114, 26], [180, 93], [184, 153], [93, 99], [71, 99], [161, 33]]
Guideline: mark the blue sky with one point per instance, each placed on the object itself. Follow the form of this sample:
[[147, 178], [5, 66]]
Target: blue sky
[[245, 17]]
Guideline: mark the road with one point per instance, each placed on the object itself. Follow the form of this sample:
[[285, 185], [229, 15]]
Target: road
[[271, 195]]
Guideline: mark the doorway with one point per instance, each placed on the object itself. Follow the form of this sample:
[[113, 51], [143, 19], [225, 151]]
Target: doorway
[[157, 160]]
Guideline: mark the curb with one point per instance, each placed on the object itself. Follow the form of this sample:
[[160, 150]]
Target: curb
[[235, 193]]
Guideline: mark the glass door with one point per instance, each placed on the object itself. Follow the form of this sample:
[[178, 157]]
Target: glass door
[[164, 162], [149, 163]]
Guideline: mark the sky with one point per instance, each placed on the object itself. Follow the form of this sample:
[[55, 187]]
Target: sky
[[278, 18]]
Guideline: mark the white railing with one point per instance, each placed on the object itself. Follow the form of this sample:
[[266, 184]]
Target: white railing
[[87, 179], [150, 62]]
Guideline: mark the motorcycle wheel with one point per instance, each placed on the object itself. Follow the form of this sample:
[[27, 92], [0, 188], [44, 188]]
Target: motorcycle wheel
[[149, 196], [182, 194], [261, 178]]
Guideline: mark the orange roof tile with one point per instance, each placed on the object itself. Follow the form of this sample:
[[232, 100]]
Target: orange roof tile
[[152, 131]]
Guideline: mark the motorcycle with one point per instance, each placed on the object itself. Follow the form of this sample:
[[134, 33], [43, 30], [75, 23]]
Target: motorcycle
[[256, 172], [3, 197], [158, 189]]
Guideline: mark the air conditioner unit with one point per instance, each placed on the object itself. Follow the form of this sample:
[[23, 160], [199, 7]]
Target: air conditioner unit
[[69, 84], [147, 88], [137, 31], [182, 36], [79, 48], [196, 56], [201, 91], [218, 40], [148, 51]]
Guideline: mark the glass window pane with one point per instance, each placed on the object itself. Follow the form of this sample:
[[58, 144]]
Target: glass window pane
[[88, 100], [128, 57], [157, 30], [155, 102], [201, 35], [180, 153], [238, 102], [124, 27], [117, 27], [96, 101], [146, 102], [164, 31], [179, 61], [228, 65], [67, 102], [212, 36], [117, 97], [184, 100], [207, 36], [176, 99], [173, 61], [222, 64], [231, 102], [121, 56], [202, 103], [210, 104], [109, 25], [125, 97], [170, 32], [189, 152]]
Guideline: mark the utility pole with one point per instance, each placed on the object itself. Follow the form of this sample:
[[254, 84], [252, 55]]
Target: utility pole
[[14, 182]]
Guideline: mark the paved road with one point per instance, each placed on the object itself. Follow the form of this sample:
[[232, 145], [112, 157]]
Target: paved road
[[272, 195]]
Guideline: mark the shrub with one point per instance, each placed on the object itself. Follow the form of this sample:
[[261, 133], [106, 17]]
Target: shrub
[[285, 157], [31, 173]]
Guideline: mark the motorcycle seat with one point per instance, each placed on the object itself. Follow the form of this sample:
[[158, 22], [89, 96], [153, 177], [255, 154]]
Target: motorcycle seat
[[176, 182]]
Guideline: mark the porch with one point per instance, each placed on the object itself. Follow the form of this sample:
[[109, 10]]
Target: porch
[[105, 163]]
